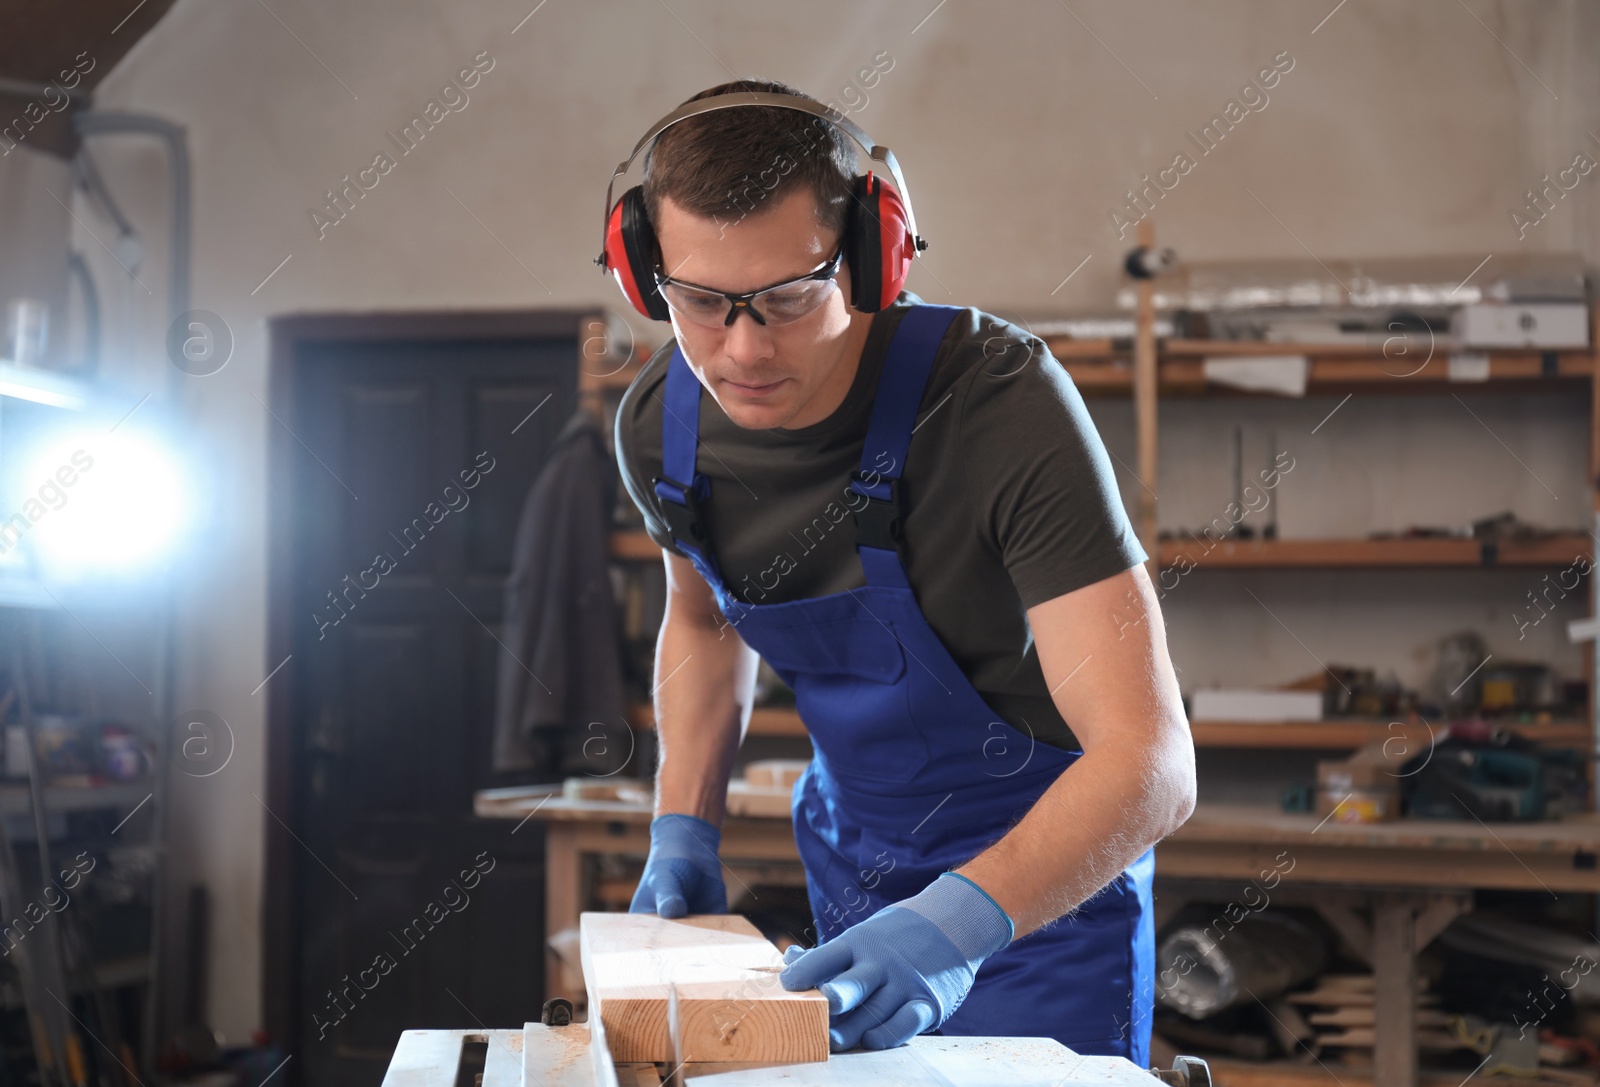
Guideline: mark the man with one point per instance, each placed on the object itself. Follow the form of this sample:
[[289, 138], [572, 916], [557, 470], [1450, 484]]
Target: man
[[977, 652]]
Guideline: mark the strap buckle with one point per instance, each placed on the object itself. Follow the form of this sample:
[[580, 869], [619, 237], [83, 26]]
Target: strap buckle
[[878, 523], [683, 505]]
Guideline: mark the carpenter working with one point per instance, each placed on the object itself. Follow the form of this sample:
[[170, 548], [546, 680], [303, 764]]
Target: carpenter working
[[906, 511]]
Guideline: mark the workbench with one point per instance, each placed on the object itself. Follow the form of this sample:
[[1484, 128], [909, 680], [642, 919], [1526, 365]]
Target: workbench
[[1414, 876], [538, 1055]]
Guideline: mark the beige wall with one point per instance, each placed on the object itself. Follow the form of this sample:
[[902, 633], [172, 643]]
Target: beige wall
[[1402, 129]]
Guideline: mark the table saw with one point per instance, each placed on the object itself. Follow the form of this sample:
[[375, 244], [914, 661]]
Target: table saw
[[565, 1056], [696, 1000]]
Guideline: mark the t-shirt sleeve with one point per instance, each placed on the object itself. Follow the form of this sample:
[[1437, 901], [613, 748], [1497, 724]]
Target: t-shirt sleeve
[[639, 457], [1038, 471]]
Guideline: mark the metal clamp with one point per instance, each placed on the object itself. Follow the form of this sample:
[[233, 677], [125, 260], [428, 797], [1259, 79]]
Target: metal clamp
[[1185, 1072]]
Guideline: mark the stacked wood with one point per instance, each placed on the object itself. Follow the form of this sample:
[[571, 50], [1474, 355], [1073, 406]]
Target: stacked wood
[[1342, 1012], [766, 788]]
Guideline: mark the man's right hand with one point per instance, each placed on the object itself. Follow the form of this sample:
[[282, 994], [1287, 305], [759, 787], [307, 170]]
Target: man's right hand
[[682, 874]]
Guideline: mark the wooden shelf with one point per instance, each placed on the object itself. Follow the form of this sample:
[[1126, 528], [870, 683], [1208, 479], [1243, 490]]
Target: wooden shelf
[[611, 375], [1307, 735], [1557, 549], [1351, 734], [16, 799], [635, 544], [764, 720], [1106, 367]]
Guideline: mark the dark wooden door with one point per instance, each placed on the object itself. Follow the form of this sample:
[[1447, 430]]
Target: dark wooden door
[[408, 463]]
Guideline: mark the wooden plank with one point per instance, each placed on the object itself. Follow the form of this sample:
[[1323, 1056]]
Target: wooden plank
[[635, 544], [948, 1062], [1377, 866], [562, 898], [725, 973], [1146, 420], [1554, 549], [1259, 823], [775, 773], [764, 720], [1368, 1016], [1394, 961], [1341, 734], [766, 801]]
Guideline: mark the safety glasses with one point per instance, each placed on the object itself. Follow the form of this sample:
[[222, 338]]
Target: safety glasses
[[780, 304]]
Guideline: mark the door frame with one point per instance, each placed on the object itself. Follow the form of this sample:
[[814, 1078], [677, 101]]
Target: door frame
[[595, 331]]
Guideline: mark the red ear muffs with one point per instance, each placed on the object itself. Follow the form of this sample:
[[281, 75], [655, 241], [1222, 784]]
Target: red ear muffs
[[878, 245], [631, 254], [877, 248]]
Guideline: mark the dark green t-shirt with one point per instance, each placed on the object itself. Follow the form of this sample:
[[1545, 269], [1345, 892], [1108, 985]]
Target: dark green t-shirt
[[1010, 497]]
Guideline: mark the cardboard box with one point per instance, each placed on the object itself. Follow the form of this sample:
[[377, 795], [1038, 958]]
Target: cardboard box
[[1522, 325], [1210, 704]]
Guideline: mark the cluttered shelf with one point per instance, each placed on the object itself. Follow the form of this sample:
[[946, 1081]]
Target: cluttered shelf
[[1194, 366], [1340, 734]]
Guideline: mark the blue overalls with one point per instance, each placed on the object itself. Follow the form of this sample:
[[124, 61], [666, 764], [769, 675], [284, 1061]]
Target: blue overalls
[[914, 773]]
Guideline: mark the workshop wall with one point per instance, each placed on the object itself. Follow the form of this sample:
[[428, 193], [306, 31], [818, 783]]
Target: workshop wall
[[1391, 130]]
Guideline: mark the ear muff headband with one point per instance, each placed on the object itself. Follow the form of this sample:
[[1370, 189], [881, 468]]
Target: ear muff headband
[[628, 249]]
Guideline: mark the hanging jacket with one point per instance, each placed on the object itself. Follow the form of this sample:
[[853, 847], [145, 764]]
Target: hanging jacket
[[559, 700]]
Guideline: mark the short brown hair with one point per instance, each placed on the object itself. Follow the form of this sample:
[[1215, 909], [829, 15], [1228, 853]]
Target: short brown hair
[[730, 163]]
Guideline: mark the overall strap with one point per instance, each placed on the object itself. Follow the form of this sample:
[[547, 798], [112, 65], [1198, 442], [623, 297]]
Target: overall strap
[[682, 490], [901, 384]]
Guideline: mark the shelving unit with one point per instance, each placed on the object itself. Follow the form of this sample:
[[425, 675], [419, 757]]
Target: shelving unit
[[1104, 368], [62, 950]]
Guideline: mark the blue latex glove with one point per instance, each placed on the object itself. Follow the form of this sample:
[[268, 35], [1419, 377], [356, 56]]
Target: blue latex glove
[[905, 969], [682, 874]]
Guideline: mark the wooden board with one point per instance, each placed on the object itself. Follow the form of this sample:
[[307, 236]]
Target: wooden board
[[725, 973], [775, 773], [941, 1061], [772, 802]]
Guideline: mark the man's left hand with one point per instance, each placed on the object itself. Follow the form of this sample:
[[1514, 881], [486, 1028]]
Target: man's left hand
[[904, 970]]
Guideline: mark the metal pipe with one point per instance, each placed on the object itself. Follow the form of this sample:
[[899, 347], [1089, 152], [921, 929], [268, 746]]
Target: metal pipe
[[91, 312], [89, 174], [100, 123]]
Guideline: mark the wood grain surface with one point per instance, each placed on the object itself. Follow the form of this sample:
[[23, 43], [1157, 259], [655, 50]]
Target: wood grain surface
[[725, 973]]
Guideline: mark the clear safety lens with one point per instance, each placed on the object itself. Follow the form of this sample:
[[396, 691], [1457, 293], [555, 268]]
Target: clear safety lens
[[777, 306]]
